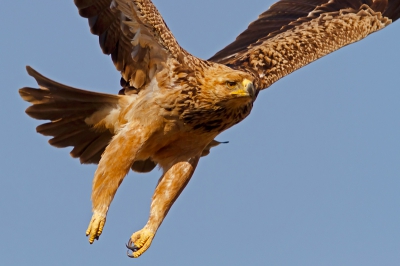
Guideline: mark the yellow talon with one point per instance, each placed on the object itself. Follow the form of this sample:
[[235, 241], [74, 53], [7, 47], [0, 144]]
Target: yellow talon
[[139, 242], [95, 227]]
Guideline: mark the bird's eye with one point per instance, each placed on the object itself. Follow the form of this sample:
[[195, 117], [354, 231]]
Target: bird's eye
[[231, 84]]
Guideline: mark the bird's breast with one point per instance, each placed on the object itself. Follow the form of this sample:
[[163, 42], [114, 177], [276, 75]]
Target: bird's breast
[[216, 118]]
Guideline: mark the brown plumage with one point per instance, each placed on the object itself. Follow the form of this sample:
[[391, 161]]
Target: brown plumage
[[172, 104]]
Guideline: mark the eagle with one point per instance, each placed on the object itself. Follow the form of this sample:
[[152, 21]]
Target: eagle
[[172, 105]]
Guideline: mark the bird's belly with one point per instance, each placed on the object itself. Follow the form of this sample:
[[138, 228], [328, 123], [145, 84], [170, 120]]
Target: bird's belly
[[174, 145]]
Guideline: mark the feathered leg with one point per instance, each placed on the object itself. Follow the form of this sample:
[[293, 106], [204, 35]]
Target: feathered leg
[[113, 167], [167, 191]]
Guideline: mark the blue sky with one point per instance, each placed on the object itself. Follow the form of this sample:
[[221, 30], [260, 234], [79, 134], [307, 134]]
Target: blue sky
[[311, 177]]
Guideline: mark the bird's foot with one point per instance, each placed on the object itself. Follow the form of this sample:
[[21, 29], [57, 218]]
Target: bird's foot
[[139, 242], [95, 227]]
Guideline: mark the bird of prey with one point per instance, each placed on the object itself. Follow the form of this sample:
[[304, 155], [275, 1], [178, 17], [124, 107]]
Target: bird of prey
[[172, 104]]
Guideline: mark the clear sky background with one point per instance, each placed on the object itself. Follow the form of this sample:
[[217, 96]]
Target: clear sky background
[[311, 177]]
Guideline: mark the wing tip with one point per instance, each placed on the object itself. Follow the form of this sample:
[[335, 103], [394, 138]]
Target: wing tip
[[33, 73], [30, 70]]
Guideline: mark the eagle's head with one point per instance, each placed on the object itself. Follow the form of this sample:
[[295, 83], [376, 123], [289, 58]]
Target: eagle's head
[[228, 86]]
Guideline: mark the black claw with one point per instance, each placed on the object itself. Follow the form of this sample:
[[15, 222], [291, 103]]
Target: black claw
[[97, 237], [131, 246], [128, 247], [130, 255]]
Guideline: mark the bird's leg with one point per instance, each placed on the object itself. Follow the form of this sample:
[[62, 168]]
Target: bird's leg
[[167, 191], [113, 167]]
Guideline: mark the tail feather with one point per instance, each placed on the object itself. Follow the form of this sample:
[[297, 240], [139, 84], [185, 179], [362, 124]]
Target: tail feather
[[63, 92], [72, 137], [95, 149], [90, 150], [67, 108], [55, 110], [61, 126]]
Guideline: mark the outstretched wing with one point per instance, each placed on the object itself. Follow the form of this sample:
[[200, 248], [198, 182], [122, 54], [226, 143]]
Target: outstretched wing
[[134, 34], [294, 33]]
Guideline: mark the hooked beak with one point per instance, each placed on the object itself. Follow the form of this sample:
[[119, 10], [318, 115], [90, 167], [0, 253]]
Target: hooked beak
[[248, 90]]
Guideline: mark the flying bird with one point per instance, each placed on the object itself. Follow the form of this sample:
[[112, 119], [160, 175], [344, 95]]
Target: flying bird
[[172, 105]]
